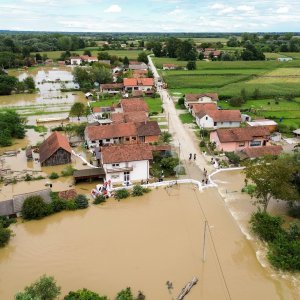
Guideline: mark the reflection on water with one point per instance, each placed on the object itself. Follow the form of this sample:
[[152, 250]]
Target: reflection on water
[[141, 242]]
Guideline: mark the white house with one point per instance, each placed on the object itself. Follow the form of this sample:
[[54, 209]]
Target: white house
[[138, 84], [169, 67], [76, 60], [282, 59], [219, 119], [200, 98], [126, 163]]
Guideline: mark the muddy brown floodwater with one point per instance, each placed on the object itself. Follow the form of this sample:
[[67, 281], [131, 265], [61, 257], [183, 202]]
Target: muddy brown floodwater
[[142, 242]]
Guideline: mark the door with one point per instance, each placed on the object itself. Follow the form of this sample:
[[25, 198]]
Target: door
[[126, 176]]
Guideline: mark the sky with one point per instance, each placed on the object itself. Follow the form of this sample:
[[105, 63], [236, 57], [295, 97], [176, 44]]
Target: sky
[[151, 15]]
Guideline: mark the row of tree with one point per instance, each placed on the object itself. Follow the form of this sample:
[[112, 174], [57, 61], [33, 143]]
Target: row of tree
[[46, 288]]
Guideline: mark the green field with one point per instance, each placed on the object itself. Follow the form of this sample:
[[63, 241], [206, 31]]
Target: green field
[[187, 118], [131, 54], [289, 111]]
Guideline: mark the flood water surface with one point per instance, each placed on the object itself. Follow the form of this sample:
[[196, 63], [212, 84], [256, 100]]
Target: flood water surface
[[142, 242]]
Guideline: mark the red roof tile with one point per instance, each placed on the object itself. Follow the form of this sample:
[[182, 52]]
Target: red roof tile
[[254, 152], [241, 134], [225, 115], [150, 128], [203, 107], [111, 131], [134, 104], [54, 142], [138, 82], [195, 97], [126, 153]]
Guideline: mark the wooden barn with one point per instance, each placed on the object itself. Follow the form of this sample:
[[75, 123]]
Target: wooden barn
[[55, 150]]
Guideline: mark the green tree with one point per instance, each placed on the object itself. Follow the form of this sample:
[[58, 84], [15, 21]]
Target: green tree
[[77, 110], [64, 43], [125, 61], [273, 179], [256, 94], [142, 57], [103, 56], [165, 137], [43, 289], [191, 65], [125, 294], [100, 74], [81, 201], [84, 294], [7, 84], [87, 52], [233, 42], [29, 83], [243, 95], [34, 207], [5, 235]]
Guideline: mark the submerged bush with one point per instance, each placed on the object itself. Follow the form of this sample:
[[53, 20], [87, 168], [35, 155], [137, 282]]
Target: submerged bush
[[99, 199], [53, 175], [121, 194], [5, 235], [138, 190], [81, 201], [34, 208]]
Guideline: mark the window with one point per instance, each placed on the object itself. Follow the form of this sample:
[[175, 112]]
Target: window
[[241, 144], [255, 143], [127, 139], [230, 122], [215, 123], [134, 138], [107, 140], [116, 165], [206, 118]]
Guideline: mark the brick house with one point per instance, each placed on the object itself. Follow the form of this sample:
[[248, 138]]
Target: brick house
[[138, 84], [148, 132], [200, 98]]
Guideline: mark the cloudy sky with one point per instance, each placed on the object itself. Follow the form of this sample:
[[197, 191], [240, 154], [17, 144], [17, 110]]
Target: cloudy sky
[[150, 15]]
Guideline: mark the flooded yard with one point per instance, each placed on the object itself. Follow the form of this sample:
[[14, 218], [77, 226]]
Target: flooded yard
[[142, 242]]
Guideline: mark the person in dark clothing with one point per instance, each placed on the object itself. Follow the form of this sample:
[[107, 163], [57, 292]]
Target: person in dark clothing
[[194, 156], [190, 157]]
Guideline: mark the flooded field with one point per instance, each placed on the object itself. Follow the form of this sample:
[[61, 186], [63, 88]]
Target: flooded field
[[142, 242], [48, 99]]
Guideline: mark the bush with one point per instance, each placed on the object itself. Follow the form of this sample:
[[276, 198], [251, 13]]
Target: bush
[[180, 102], [267, 227], [5, 235], [294, 212], [34, 207], [53, 175], [58, 205], [233, 158], [81, 201], [5, 222], [122, 194], [202, 144], [249, 189], [84, 294], [137, 190], [68, 171], [100, 199], [71, 205]]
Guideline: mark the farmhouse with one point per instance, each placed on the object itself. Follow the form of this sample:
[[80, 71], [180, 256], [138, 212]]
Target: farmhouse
[[201, 108], [141, 84], [133, 105], [111, 88], [255, 152], [237, 139], [126, 163], [76, 60], [55, 150], [148, 132], [96, 136], [169, 67], [211, 52], [270, 124], [103, 112], [88, 59], [135, 117], [282, 59], [200, 98], [219, 119], [137, 65]]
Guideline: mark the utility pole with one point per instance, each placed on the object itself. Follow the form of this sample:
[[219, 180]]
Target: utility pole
[[204, 241], [168, 121]]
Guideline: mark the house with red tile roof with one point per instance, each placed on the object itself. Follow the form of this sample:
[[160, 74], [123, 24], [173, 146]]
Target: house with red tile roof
[[133, 105], [138, 84], [122, 133], [169, 67], [96, 136], [111, 88], [255, 152], [126, 163], [218, 118], [238, 139], [201, 108], [128, 117], [75, 60], [200, 98], [88, 59], [55, 150], [139, 73]]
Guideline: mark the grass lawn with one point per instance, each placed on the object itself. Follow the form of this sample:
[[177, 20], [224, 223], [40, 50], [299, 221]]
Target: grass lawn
[[154, 104], [131, 54], [107, 102], [187, 118], [289, 111]]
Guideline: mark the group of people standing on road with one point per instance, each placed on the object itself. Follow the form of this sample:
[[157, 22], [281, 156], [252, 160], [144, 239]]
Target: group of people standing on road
[[191, 156], [205, 179]]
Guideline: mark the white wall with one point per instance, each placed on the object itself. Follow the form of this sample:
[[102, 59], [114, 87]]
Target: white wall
[[208, 122], [140, 171]]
